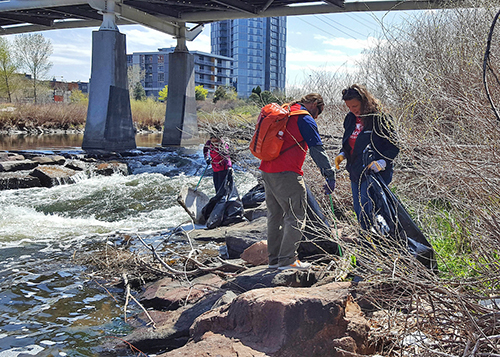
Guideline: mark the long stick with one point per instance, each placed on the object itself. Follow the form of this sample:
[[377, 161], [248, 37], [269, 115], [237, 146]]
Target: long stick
[[202, 177], [335, 224]]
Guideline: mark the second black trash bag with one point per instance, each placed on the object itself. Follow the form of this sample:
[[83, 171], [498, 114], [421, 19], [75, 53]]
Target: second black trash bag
[[390, 218], [226, 206], [254, 197]]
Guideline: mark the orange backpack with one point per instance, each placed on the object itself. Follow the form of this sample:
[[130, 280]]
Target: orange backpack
[[267, 140]]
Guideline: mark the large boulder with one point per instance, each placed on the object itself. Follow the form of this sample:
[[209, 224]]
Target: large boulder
[[53, 175], [314, 322]]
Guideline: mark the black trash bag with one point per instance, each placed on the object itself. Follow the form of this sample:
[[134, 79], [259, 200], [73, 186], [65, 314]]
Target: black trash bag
[[390, 219], [225, 207], [254, 197], [315, 240]]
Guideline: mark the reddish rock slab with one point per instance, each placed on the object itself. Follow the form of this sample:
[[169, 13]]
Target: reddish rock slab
[[170, 329], [256, 254], [211, 345], [314, 322], [170, 294], [110, 168]]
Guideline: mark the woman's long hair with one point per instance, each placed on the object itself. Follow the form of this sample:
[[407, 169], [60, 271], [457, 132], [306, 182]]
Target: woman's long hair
[[369, 104]]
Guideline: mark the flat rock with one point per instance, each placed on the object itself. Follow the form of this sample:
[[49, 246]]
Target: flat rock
[[50, 160], [261, 277], [17, 165], [18, 179], [171, 328], [170, 294], [238, 236], [211, 344], [76, 165], [5, 156]]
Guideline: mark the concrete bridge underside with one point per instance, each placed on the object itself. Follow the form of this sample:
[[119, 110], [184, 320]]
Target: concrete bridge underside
[[109, 124]]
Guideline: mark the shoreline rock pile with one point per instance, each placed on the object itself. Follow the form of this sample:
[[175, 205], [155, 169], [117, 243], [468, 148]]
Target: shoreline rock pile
[[250, 311], [32, 169]]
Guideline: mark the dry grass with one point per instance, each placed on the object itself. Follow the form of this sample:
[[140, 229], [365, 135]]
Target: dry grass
[[33, 118], [148, 114]]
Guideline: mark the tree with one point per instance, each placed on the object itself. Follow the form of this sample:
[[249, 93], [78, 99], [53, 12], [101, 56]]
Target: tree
[[139, 93], [224, 93], [7, 67], [163, 94], [134, 74], [200, 92], [268, 97], [33, 52], [257, 90], [78, 97]]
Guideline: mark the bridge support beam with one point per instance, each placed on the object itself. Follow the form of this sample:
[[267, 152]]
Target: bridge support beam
[[109, 124], [181, 123]]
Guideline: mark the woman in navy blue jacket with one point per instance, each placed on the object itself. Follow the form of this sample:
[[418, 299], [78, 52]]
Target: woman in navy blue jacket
[[366, 128]]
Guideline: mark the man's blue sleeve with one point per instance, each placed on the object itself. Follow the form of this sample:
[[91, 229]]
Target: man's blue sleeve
[[309, 130]]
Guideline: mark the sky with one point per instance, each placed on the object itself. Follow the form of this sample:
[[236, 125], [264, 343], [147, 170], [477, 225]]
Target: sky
[[314, 42]]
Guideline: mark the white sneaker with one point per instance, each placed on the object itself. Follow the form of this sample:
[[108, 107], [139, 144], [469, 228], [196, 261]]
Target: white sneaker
[[297, 265], [273, 266]]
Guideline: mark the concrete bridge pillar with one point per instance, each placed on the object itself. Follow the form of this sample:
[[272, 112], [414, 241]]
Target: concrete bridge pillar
[[109, 124], [181, 123]]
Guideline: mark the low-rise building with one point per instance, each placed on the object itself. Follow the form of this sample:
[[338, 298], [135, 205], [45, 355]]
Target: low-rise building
[[210, 70]]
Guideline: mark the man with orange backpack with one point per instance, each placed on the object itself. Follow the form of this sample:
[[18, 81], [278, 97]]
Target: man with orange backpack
[[286, 195]]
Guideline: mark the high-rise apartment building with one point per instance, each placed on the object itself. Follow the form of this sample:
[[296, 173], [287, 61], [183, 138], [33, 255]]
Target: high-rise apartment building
[[210, 70], [258, 49]]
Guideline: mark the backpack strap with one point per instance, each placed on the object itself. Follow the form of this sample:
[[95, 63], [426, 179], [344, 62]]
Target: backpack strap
[[299, 112], [292, 113]]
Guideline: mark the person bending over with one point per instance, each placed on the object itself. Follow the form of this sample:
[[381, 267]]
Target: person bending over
[[286, 196]]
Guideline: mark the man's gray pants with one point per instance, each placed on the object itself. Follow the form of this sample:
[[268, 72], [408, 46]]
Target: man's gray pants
[[286, 200]]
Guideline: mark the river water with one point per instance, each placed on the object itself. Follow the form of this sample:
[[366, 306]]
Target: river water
[[48, 305]]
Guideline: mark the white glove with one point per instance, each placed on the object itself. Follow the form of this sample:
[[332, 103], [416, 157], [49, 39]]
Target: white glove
[[378, 165]]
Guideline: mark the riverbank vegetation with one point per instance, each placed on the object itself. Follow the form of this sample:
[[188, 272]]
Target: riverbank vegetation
[[428, 72]]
